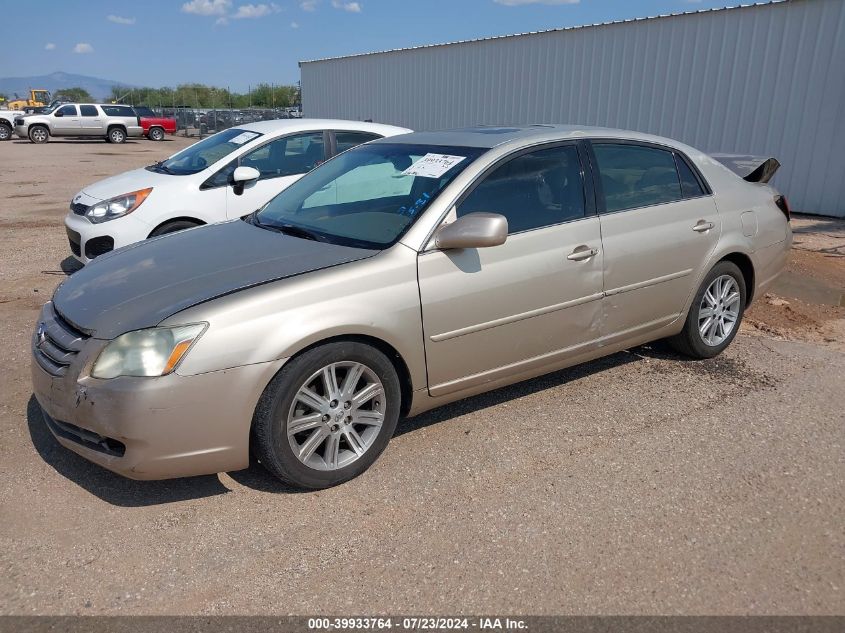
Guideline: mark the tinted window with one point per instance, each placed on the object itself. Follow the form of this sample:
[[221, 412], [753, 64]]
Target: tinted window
[[88, 110], [533, 190], [67, 110], [690, 186], [346, 140], [287, 156], [144, 111], [222, 177], [118, 110], [636, 176]]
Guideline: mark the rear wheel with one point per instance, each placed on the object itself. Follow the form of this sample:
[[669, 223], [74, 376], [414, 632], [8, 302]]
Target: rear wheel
[[39, 134], [715, 313], [116, 135], [172, 227], [5, 132], [156, 134], [327, 415]]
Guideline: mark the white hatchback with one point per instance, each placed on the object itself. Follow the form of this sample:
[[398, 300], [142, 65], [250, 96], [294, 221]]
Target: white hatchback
[[227, 175]]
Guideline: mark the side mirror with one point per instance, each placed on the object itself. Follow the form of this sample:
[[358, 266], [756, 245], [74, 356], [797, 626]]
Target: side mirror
[[58, 113], [242, 177], [474, 230]]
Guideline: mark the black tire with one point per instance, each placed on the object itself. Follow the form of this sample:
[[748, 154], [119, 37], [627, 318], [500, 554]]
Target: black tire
[[172, 227], [38, 134], [269, 440], [690, 341], [116, 135], [156, 134], [5, 132]]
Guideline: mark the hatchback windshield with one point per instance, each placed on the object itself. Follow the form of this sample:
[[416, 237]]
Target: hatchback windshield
[[198, 156], [367, 196]]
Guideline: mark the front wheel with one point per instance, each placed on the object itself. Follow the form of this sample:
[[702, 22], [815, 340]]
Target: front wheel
[[715, 313], [156, 134], [116, 135], [5, 132], [327, 415], [39, 134], [172, 227]]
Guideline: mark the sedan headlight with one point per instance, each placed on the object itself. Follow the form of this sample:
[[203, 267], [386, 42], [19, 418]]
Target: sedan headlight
[[152, 352], [118, 206]]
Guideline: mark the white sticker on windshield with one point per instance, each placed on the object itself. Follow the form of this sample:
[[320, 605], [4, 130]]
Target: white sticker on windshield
[[433, 165], [244, 137]]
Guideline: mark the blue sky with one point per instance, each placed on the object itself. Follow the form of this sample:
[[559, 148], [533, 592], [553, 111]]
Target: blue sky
[[236, 43]]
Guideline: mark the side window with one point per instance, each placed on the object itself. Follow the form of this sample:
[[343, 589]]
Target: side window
[[68, 110], [119, 110], [222, 178], [533, 190], [690, 186], [287, 156], [347, 140], [635, 176], [88, 110]]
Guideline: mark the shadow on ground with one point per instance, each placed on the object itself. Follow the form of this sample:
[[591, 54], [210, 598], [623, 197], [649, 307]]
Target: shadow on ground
[[120, 491]]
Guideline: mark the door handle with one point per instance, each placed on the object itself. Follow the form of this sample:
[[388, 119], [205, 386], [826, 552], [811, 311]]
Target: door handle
[[702, 226], [581, 253]]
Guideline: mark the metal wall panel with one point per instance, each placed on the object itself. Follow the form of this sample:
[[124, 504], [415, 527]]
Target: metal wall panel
[[761, 79]]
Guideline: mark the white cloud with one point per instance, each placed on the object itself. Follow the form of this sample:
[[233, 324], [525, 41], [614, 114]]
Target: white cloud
[[83, 47], [120, 20], [207, 7], [352, 7], [308, 5], [256, 10], [222, 21], [294, 25], [49, 46], [518, 3]]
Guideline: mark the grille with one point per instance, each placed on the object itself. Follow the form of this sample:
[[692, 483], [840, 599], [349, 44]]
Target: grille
[[57, 343], [79, 209], [89, 439], [74, 239]]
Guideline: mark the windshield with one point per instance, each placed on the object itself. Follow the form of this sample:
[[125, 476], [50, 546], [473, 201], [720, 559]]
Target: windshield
[[367, 196], [198, 156]]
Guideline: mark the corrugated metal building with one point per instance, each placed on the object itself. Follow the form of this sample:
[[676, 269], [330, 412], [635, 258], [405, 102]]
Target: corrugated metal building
[[764, 79]]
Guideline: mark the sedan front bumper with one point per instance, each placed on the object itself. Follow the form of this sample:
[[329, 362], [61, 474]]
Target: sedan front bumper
[[149, 428]]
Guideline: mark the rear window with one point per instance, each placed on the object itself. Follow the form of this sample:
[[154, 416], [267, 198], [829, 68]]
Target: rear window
[[634, 176], [690, 186], [142, 111], [88, 110], [118, 110]]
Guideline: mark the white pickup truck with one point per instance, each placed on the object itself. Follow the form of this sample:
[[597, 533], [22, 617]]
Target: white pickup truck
[[7, 123]]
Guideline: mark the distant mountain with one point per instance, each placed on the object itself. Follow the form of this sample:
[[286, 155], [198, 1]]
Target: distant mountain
[[98, 88]]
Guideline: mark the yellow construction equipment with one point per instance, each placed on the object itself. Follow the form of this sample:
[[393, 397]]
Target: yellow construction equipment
[[38, 98]]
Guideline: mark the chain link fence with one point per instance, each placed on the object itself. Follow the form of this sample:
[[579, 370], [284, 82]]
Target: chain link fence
[[200, 122]]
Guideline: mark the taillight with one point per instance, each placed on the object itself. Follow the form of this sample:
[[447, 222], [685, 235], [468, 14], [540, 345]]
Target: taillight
[[783, 205]]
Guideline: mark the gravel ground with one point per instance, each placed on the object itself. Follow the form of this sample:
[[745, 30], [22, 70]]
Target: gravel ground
[[638, 484]]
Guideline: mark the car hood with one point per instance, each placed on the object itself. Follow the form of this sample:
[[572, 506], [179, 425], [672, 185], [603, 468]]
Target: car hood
[[141, 285], [127, 182]]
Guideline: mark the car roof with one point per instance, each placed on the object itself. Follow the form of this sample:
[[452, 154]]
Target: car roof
[[487, 137], [279, 126]]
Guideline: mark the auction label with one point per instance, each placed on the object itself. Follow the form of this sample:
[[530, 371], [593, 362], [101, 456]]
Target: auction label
[[433, 165], [421, 623]]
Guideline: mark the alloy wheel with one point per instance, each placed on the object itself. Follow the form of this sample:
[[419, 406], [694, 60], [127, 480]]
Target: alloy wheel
[[718, 312], [39, 135], [336, 415]]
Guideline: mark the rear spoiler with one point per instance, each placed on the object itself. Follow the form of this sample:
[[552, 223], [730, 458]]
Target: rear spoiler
[[750, 168]]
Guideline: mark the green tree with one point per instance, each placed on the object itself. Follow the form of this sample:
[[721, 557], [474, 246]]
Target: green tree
[[75, 94]]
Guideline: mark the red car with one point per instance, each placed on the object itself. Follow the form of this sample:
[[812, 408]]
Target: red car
[[155, 126]]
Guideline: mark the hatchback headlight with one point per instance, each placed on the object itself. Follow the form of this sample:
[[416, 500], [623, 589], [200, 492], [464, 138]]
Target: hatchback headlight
[[152, 352], [118, 206]]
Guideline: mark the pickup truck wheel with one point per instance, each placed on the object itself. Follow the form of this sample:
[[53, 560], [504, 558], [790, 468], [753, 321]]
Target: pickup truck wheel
[[5, 132], [172, 227], [116, 135], [327, 415], [156, 134], [39, 134]]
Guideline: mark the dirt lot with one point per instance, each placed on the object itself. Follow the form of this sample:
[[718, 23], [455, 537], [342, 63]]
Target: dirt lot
[[638, 484]]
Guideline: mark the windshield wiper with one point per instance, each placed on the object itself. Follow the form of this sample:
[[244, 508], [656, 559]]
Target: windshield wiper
[[160, 166], [296, 231]]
